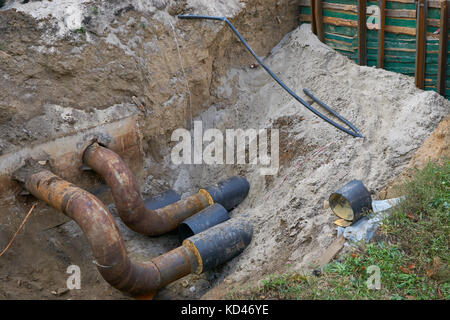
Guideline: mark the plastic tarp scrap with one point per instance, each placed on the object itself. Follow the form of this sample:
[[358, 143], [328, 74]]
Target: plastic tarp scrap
[[365, 228]]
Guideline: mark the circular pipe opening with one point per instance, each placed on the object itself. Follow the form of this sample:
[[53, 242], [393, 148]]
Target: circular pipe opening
[[341, 207], [351, 201]]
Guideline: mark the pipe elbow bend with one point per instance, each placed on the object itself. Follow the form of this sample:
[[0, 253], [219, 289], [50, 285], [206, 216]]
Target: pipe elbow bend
[[131, 207], [203, 251], [107, 245]]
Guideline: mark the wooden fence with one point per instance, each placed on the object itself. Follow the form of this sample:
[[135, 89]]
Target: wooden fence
[[405, 36]]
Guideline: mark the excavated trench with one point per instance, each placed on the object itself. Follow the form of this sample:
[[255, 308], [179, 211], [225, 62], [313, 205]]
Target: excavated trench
[[69, 79]]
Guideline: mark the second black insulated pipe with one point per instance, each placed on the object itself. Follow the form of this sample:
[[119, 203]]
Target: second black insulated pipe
[[161, 200], [203, 220]]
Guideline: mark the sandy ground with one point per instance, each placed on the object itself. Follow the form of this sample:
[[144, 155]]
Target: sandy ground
[[64, 65], [292, 227]]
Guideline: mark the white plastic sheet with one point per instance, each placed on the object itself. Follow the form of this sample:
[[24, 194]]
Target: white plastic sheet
[[365, 228]]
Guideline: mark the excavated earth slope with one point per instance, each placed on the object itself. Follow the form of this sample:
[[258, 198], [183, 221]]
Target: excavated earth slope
[[70, 65], [99, 55]]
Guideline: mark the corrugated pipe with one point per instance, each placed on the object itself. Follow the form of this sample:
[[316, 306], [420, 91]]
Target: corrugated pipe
[[132, 208], [197, 253]]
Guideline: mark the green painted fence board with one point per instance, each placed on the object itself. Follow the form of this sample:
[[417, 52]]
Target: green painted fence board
[[434, 13], [347, 31], [372, 54], [305, 10], [399, 5], [389, 4], [400, 49]]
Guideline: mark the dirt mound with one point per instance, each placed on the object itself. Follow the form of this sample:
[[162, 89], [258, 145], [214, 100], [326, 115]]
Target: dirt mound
[[69, 65], [292, 227], [124, 51], [435, 148], [89, 55]]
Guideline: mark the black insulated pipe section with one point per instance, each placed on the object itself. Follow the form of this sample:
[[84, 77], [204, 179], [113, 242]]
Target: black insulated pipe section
[[230, 192], [221, 243], [292, 93], [351, 201], [161, 200], [203, 220]]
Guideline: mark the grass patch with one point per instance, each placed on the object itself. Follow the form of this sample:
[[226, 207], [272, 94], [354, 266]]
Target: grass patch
[[413, 258]]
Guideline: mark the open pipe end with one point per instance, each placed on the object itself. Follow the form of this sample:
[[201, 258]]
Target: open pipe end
[[351, 201]]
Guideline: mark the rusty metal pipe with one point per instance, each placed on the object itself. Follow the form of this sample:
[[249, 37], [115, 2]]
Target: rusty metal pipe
[[131, 206], [105, 240], [128, 199]]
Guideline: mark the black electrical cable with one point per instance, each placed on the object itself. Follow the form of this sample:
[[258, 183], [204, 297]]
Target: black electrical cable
[[354, 133], [306, 91]]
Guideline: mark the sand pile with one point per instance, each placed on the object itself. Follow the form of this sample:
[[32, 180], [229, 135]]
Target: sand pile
[[292, 227]]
